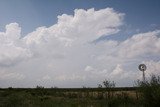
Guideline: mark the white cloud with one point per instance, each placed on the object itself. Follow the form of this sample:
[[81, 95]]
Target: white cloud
[[89, 68], [12, 49], [153, 67], [11, 76], [46, 77], [13, 31], [118, 71], [84, 26], [71, 77], [121, 73], [140, 44], [64, 54]]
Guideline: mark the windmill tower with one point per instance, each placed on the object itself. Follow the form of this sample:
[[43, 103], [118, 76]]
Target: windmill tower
[[142, 67]]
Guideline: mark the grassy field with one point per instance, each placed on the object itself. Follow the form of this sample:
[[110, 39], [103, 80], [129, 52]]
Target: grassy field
[[146, 94], [63, 97]]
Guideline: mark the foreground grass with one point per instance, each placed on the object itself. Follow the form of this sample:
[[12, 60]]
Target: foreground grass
[[66, 98]]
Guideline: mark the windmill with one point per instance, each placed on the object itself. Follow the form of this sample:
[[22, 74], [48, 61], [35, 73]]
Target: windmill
[[142, 67]]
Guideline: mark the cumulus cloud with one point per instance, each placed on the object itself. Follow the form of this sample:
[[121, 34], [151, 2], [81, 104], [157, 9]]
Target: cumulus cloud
[[83, 26], [11, 46], [65, 54], [141, 44]]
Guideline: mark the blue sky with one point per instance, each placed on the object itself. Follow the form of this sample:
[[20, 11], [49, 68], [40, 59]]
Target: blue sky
[[81, 43], [141, 15]]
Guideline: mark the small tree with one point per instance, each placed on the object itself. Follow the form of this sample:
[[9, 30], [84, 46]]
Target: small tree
[[109, 84]]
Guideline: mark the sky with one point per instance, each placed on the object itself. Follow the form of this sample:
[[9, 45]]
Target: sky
[[77, 43]]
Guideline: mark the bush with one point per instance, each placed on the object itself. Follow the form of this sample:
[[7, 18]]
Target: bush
[[150, 91]]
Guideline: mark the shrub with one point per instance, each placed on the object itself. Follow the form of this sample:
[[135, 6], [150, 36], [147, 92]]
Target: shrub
[[150, 91]]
